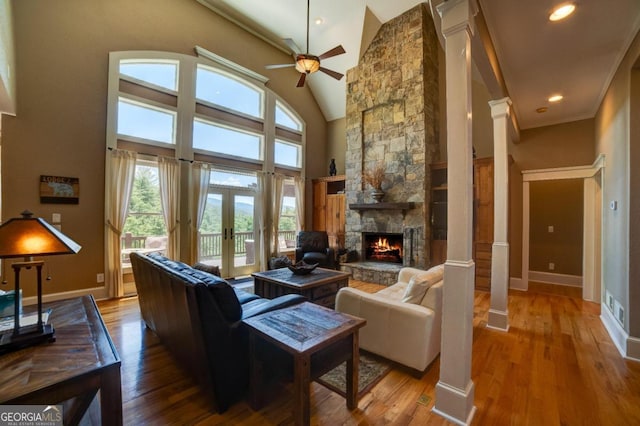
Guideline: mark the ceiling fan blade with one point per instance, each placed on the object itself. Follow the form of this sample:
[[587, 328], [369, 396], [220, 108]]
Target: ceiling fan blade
[[273, 67], [303, 76], [338, 50], [333, 74], [292, 45]]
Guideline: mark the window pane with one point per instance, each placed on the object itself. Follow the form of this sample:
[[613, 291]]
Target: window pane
[[238, 180], [227, 92], [225, 141], [286, 119], [144, 229], [287, 154], [163, 74], [145, 121]]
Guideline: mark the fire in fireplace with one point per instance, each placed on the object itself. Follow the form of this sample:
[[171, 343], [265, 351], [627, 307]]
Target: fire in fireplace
[[383, 247]]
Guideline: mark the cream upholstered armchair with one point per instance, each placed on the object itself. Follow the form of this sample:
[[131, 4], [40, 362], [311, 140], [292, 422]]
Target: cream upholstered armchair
[[404, 321]]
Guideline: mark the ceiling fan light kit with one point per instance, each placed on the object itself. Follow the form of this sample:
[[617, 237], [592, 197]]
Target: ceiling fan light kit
[[306, 63]]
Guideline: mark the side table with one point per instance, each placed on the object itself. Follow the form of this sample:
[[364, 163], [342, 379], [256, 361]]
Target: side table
[[72, 369], [318, 339]]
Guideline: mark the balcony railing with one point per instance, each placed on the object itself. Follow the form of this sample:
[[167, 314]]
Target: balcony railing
[[210, 244]]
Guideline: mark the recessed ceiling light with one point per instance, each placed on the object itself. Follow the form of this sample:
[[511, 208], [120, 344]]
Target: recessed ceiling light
[[555, 98], [319, 21], [562, 11], [541, 110]]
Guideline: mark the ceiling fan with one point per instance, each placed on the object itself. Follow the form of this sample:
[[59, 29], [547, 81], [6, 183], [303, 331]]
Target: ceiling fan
[[305, 62]]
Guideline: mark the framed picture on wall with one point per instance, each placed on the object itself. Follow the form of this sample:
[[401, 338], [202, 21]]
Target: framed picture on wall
[[59, 190]]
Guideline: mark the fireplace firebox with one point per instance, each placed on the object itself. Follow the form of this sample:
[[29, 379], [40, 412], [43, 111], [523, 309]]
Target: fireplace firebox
[[382, 247]]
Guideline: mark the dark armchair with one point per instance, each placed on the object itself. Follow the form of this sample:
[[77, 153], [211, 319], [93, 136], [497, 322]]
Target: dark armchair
[[313, 247]]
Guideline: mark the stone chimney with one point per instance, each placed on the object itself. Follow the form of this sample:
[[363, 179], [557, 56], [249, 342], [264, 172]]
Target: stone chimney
[[392, 116]]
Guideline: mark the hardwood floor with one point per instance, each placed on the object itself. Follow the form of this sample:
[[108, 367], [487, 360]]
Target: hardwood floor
[[555, 366]]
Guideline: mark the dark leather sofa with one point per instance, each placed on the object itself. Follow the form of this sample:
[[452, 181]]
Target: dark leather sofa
[[198, 318]]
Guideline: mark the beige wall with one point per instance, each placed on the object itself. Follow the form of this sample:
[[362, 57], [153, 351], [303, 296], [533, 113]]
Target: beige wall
[[482, 124], [336, 143], [613, 138], [62, 51], [560, 145], [557, 203]]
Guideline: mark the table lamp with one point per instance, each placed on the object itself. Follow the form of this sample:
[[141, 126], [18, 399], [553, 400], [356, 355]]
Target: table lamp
[[26, 237]]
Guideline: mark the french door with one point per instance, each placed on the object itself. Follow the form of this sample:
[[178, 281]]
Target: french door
[[227, 236]]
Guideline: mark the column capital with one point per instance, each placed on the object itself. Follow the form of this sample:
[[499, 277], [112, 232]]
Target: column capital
[[500, 107], [457, 15]]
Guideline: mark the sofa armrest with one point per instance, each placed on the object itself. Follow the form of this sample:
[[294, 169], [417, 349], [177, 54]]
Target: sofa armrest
[[272, 305], [402, 332], [407, 273]]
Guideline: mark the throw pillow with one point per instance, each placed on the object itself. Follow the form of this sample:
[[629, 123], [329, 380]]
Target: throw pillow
[[212, 269], [420, 283]]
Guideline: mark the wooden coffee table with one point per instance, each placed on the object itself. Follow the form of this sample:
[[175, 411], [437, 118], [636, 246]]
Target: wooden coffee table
[[319, 339], [319, 287]]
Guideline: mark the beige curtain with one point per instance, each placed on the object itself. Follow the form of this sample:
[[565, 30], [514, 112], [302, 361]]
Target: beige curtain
[[169, 177], [299, 191], [121, 169], [264, 204], [200, 175], [278, 189]]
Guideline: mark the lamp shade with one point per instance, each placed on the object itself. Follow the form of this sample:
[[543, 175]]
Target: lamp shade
[[307, 63], [29, 236]]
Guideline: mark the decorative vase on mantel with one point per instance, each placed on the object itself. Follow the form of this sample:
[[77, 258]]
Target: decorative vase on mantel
[[378, 195]]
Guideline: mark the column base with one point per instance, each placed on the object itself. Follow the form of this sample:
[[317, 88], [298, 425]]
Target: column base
[[455, 405], [498, 320]]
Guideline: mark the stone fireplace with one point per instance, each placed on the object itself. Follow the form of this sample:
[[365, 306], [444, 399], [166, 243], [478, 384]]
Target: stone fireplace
[[392, 117]]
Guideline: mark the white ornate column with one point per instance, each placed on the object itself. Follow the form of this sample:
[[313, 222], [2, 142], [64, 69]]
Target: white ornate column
[[499, 312], [455, 390]]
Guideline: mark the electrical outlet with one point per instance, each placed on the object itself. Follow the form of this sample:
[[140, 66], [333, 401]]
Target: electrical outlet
[[610, 301], [100, 278], [552, 266], [550, 229]]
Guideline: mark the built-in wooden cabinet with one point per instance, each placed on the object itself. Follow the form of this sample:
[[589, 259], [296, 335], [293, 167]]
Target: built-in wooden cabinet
[[482, 217], [329, 208]]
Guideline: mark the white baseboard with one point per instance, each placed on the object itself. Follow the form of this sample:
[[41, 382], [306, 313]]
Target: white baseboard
[[629, 347], [552, 278], [97, 292], [516, 284]]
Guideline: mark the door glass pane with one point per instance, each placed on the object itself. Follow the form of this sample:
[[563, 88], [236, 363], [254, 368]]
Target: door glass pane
[[210, 232], [244, 241]]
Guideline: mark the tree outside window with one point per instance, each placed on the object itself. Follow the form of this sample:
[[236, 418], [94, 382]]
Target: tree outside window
[[145, 209]]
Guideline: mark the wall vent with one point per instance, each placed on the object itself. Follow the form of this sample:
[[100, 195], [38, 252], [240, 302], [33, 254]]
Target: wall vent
[[619, 312], [609, 300]]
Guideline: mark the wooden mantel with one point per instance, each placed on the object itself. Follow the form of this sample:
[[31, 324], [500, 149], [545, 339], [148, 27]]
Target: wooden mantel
[[383, 206]]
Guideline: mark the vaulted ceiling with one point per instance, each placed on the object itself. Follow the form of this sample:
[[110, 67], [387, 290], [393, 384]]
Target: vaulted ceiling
[[576, 57]]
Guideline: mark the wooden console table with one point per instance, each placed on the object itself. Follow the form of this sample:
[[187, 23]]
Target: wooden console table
[[320, 286], [319, 339], [69, 371]]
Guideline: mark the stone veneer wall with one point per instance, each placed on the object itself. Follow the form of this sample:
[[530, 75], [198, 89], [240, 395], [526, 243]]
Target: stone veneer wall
[[392, 116]]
